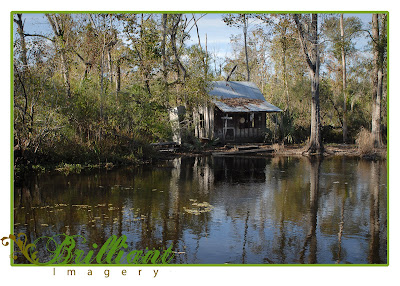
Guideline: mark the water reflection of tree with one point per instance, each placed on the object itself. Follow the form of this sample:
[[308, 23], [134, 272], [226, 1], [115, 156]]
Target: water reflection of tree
[[310, 242], [374, 245], [269, 207], [374, 176], [203, 172], [287, 192], [337, 201]]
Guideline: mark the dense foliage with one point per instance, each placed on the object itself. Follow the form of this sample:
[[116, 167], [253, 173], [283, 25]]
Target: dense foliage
[[97, 88], [278, 67]]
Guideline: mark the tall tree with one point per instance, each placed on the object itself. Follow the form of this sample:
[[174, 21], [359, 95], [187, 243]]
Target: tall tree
[[204, 58], [105, 37], [341, 32], [281, 43], [344, 83], [163, 52], [23, 123], [309, 42], [245, 26], [58, 24], [379, 51], [21, 33], [240, 21]]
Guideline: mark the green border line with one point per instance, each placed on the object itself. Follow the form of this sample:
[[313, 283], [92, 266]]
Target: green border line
[[182, 265], [387, 139], [195, 265], [200, 11], [11, 134]]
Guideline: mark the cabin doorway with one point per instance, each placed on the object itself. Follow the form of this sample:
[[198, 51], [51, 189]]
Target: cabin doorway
[[228, 129]]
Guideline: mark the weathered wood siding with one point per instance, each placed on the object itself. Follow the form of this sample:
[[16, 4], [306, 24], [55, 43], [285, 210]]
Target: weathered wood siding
[[209, 124], [242, 132], [203, 118]]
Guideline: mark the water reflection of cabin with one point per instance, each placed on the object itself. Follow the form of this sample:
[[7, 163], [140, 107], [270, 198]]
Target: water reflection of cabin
[[237, 113]]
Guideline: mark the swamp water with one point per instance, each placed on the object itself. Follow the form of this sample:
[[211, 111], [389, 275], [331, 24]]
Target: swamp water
[[219, 210]]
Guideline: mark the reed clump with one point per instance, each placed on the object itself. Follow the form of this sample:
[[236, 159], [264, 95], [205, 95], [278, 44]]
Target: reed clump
[[365, 143], [278, 147]]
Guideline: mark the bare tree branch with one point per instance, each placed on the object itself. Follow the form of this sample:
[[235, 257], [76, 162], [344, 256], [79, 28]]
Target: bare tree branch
[[303, 41]]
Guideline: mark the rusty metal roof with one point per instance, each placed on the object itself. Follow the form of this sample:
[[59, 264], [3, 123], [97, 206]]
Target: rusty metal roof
[[240, 96]]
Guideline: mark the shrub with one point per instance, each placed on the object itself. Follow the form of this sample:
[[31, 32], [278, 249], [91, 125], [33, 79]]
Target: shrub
[[365, 142], [278, 147]]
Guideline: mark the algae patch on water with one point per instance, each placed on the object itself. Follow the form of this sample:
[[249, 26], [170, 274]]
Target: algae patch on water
[[198, 208]]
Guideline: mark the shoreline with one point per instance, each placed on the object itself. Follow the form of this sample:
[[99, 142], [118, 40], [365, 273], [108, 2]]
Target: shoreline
[[348, 150]]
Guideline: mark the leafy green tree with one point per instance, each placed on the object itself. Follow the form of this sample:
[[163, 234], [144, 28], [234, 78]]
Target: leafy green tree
[[341, 33]]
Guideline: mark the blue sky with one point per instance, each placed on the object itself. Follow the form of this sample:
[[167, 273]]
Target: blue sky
[[218, 33]]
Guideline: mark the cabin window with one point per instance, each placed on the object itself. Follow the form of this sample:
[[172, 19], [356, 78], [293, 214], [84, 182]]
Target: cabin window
[[201, 121], [252, 120], [258, 120], [246, 121], [242, 121]]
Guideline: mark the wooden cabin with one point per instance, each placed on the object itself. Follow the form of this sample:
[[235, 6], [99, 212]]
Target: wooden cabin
[[237, 113]]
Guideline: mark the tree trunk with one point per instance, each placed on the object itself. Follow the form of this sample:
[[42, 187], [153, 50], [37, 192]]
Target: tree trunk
[[65, 73], [20, 30], [245, 46], [173, 35], [285, 81], [206, 61], [377, 82], [101, 84], [163, 46], [315, 146], [118, 77], [286, 86], [60, 44], [24, 59], [164, 57], [344, 81], [315, 137], [110, 68], [205, 58]]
